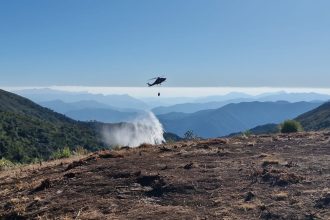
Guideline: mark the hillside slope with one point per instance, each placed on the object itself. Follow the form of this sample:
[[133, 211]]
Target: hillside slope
[[29, 131], [316, 119], [233, 117]]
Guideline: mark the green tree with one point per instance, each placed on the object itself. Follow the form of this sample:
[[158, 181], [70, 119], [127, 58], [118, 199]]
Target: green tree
[[189, 135]]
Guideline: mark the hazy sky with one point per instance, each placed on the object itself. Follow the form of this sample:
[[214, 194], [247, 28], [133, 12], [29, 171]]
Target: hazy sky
[[242, 43]]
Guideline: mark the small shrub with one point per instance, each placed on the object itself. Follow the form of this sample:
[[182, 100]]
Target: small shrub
[[291, 126], [5, 164], [62, 153], [247, 133], [36, 160], [80, 151]]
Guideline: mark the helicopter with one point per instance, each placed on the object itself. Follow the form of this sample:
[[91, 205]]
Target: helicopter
[[158, 81]]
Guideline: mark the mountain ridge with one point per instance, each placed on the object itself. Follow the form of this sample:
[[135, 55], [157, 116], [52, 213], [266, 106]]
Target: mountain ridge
[[314, 120], [233, 117]]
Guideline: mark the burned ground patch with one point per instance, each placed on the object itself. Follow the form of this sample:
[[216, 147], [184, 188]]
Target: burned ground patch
[[256, 177]]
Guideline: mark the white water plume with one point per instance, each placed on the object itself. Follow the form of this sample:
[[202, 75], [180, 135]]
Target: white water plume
[[146, 128]]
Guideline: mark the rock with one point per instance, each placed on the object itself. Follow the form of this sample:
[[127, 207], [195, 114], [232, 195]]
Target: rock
[[248, 196], [144, 180], [188, 166]]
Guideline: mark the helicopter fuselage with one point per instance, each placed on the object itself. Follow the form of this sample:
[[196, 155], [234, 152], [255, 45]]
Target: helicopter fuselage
[[158, 81]]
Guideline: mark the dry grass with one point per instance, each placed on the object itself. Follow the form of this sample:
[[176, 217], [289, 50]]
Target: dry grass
[[216, 141], [280, 196], [18, 170]]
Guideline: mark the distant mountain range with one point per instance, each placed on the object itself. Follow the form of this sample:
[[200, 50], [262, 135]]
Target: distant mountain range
[[117, 101], [101, 115], [161, 105], [270, 97], [233, 117], [89, 110], [63, 107], [194, 107], [214, 102], [314, 120], [293, 97]]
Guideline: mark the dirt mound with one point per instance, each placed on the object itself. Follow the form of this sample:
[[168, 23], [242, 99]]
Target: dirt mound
[[45, 184], [277, 177], [256, 177]]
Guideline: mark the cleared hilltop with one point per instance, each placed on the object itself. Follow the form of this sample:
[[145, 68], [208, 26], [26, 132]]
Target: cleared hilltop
[[257, 177]]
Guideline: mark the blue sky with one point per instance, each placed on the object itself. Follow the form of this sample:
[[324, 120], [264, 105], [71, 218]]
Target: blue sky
[[194, 43]]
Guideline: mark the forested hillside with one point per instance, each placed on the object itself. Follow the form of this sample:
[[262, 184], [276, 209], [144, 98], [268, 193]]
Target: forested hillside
[[29, 131]]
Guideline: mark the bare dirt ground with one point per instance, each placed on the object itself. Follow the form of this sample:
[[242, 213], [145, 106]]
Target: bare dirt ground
[[264, 177]]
